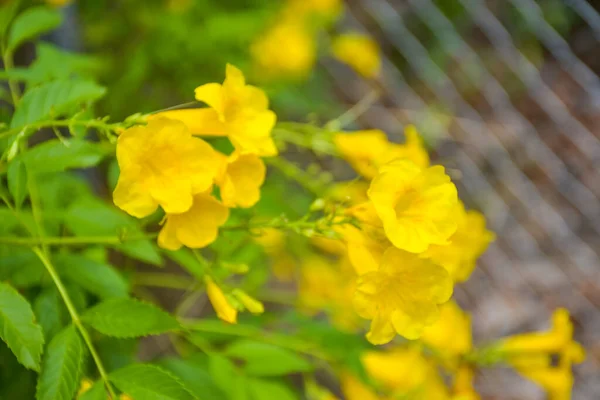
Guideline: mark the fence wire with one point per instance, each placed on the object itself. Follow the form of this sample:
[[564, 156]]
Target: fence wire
[[523, 139]]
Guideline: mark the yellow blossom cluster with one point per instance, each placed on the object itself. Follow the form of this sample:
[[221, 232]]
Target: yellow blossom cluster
[[165, 164], [413, 237], [288, 48]]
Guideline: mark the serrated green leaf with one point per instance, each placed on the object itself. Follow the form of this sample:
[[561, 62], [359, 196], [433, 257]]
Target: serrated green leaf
[[149, 382], [95, 277], [263, 389], [54, 99], [54, 156], [53, 63], [129, 318], [31, 23], [117, 352], [91, 217], [49, 310], [96, 392], [18, 328], [262, 359], [193, 371], [17, 181], [62, 366]]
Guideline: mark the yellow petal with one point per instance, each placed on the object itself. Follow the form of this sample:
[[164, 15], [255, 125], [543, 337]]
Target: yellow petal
[[198, 227], [130, 197], [200, 121], [381, 331], [212, 95], [241, 182], [219, 302]]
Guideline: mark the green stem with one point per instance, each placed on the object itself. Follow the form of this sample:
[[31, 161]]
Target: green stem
[[317, 185], [15, 93], [62, 123], [71, 241], [75, 317]]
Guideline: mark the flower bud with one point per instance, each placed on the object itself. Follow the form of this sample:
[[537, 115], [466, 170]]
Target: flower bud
[[219, 302], [251, 304]]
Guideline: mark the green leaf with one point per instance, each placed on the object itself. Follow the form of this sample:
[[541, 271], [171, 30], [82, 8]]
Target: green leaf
[[54, 99], [54, 156], [262, 389], [62, 367], [227, 377], [96, 392], [95, 277], [149, 382], [53, 63], [129, 318], [7, 13], [263, 359], [17, 181], [93, 217], [49, 310], [117, 353], [193, 371], [18, 328], [31, 23]]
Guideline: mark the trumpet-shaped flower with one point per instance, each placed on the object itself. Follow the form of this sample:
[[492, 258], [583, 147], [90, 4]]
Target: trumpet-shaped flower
[[366, 151], [223, 308], [402, 296], [286, 50], [470, 241], [196, 228], [162, 164], [367, 243], [450, 335], [243, 110], [531, 354], [359, 52], [415, 205], [240, 179], [200, 121]]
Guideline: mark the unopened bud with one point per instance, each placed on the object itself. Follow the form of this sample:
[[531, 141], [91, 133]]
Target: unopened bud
[[251, 304]]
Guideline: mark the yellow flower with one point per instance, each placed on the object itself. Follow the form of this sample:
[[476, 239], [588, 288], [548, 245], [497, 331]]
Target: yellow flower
[[354, 389], [198, 227], [162, 164], [287, 50], [200, 121], [415, 205], [358, 51], [328, 286], [470, 241], [401, 296], [240, 179], [223, 308], [366, 151], [244, 112], [366, 244], [531, 354], [86, 384], [58, 3], [274, 243], [450, 335], [462, 387]]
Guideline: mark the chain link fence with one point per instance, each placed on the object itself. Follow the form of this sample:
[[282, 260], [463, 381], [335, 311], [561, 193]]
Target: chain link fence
[[508, 95]]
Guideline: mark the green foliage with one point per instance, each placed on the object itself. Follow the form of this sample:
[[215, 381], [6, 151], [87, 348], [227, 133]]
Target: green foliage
[[125, 318], [31, 23], [54, 99], [62, 367], [17, 182], [143, 381], [95, 277], [261, 359], [18, 328], [56, 156]]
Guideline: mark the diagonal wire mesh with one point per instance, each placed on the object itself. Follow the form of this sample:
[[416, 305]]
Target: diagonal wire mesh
[[528, 158]]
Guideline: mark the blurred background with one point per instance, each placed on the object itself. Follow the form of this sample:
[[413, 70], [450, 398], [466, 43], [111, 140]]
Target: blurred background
[[506, 94]]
